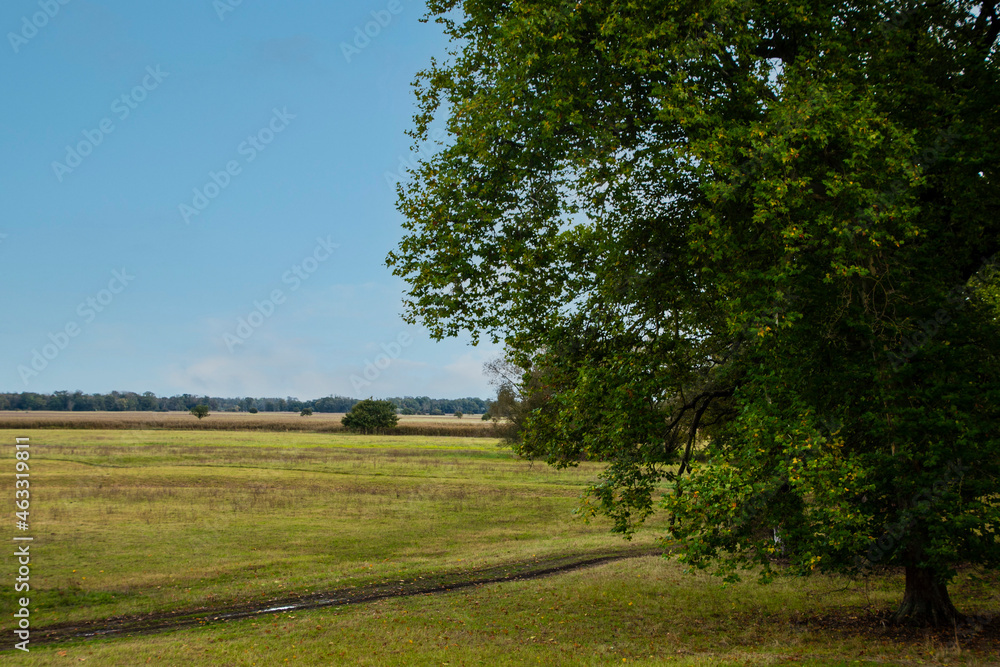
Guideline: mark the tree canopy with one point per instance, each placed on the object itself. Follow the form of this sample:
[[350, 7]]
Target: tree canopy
[[774, 224]]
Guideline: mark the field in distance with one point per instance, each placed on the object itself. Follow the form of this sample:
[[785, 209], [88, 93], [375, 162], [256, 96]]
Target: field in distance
[[320, 422]]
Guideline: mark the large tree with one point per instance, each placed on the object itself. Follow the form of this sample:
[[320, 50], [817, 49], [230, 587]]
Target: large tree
[[767, 223]]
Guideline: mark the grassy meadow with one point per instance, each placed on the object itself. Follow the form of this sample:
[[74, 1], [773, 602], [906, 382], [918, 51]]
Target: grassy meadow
[[133, 522]]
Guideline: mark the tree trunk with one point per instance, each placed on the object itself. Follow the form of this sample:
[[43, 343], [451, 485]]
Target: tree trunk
[[925, 601]]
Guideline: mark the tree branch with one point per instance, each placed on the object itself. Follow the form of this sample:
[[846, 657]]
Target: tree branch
[[685, 462]]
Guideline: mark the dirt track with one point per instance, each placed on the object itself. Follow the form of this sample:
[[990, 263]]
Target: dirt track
[[450, 581]]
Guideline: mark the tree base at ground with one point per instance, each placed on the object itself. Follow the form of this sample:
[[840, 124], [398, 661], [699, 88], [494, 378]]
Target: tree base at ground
[[926, 601]]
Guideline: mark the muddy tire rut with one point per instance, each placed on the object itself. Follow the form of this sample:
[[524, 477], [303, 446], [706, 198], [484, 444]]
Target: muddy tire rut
[[124, 626]]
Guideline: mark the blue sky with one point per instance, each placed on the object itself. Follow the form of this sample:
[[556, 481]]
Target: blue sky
[[170, 167]]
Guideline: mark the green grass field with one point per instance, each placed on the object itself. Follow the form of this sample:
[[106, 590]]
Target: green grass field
[[137, 522]]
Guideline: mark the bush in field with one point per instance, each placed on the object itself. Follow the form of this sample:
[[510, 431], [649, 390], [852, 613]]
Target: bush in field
[[370, 415], [252, 411], [459, 414], [200, 410], [306, 412]]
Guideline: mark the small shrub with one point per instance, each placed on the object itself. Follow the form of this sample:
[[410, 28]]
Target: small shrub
[[306, 412], [200, 411]]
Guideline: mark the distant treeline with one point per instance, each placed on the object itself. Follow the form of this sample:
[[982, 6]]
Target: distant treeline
[[126, 401]]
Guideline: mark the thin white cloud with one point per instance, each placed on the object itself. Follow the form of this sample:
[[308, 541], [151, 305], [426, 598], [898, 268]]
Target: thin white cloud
[[284, 370], [280, 371]]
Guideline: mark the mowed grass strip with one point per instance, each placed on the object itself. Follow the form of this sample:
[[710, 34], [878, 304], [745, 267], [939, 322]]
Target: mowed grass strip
[[152, 521], [645, 611]]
